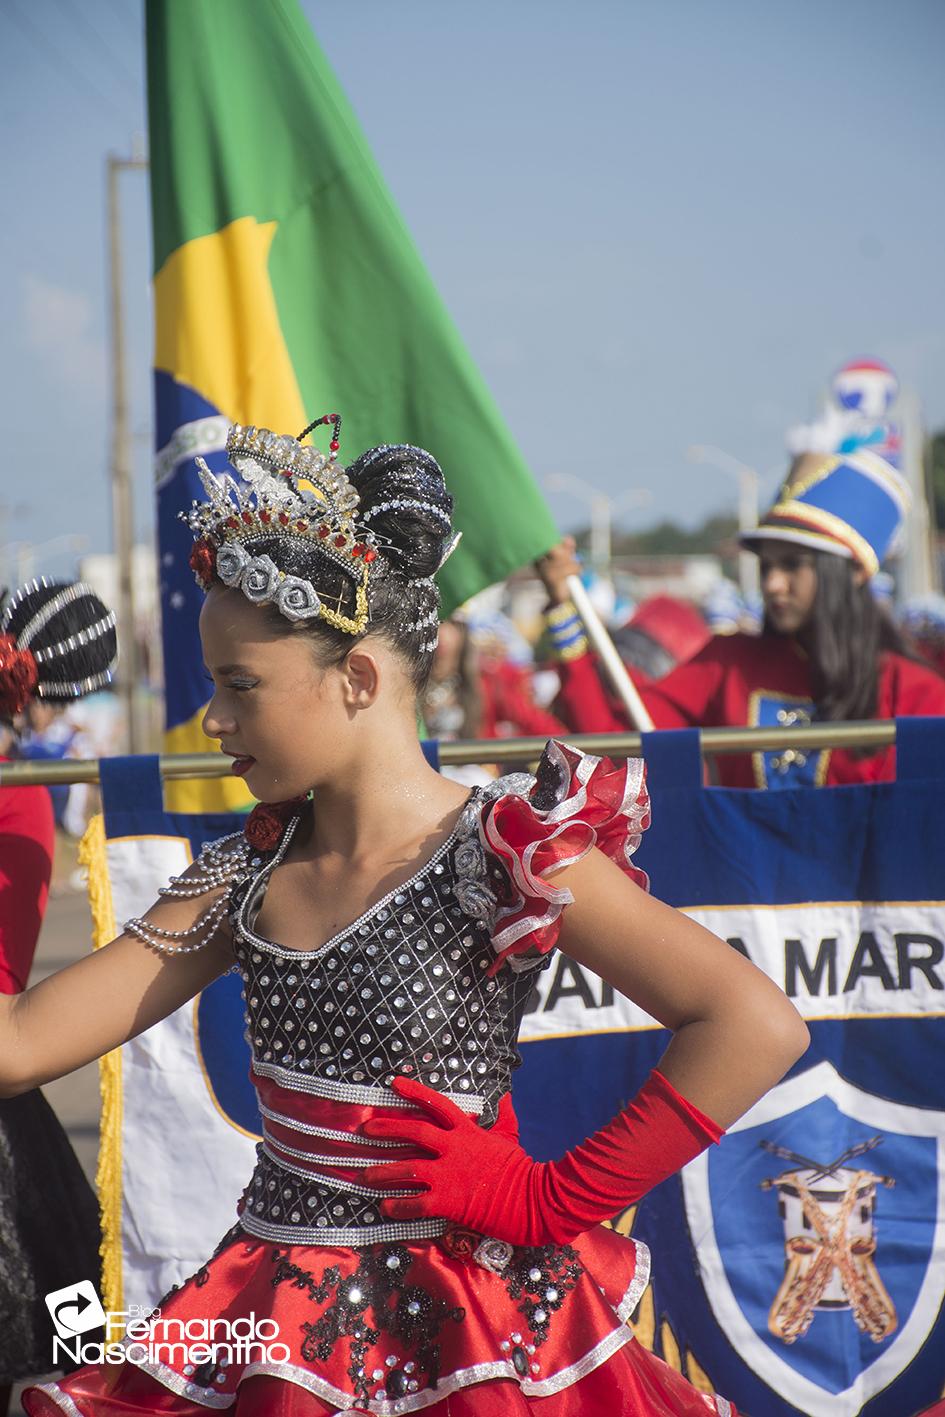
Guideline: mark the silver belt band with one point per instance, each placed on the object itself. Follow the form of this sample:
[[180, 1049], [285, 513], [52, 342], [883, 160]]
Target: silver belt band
[[326, 1133], [354, 1092], [352, 1163], [349, 1187], [353, 1236]]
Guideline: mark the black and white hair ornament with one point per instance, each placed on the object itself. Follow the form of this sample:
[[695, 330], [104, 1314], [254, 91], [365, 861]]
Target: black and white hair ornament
[[57, 642]]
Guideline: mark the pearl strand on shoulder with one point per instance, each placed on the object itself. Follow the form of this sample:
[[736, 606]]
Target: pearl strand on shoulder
[[217, 866]]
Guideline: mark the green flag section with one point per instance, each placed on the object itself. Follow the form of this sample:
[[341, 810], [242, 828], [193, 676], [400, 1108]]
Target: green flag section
[[286, 286]]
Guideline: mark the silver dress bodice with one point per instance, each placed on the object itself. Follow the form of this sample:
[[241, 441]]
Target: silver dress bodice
[[404, 990]]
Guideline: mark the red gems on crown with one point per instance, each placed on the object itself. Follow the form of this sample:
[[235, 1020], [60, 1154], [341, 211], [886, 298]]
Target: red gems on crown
[[335, 420]]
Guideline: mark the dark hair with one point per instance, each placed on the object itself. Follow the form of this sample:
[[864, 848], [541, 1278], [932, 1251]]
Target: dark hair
[[846, 633], [71, 637], [404, 502]]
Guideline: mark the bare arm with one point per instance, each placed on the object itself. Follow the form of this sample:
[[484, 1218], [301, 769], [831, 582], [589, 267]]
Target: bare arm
[[103, 1000], [735, 1032]]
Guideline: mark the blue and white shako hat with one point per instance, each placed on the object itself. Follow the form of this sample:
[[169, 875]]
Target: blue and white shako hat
[[850, 504]]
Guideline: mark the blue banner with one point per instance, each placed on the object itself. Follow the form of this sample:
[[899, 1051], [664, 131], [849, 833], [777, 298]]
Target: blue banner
[[800, 1267]]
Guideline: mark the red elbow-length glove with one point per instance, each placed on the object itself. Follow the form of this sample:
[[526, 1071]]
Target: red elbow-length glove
[[484, 1180]]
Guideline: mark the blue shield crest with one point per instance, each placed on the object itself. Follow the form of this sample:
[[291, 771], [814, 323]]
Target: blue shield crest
[[820, 1224]]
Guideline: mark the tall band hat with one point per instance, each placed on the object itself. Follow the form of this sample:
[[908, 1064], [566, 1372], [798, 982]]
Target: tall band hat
[[297, 505], [57, 643], [849, 505]]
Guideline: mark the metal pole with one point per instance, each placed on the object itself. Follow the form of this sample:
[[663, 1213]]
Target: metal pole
[[748, 483], [916, 567], [748, 568], [601, 535], [712, 741], [123, 529]]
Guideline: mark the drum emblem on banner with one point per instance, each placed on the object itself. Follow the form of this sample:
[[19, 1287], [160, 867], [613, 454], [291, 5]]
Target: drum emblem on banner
[[830, 1244], [820, 1230]]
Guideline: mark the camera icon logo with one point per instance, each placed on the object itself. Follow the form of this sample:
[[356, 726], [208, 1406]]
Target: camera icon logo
[[75, 1309]]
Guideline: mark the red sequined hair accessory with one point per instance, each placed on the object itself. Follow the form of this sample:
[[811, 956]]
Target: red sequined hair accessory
[[19, 677], [36, 662]]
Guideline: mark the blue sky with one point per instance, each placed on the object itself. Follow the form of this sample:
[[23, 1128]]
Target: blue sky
[[656, 223]]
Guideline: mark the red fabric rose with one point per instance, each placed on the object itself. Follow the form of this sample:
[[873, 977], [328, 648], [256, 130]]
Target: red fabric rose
[[267, 821], [459, 1242], [264, 827], [203, 562], [18, 676]]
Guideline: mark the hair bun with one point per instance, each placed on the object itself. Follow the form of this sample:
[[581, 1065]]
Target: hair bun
[[404, 501], [68, 634]]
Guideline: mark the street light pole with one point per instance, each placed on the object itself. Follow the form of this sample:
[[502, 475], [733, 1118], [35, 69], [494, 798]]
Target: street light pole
[[603, 510], [121, 486], [601, 534], [748, 485]]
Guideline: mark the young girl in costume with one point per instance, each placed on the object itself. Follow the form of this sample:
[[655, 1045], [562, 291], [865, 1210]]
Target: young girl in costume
[[827, 652], [387, 925], [57, 644]]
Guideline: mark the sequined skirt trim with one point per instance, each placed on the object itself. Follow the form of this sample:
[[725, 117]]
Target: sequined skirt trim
[[570, 1305], [462, 1377]]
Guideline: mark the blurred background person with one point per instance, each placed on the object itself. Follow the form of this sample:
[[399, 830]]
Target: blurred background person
[[478, 689], [662, 632], [57, 644], [48, 735], [90, 728], [452, 704], [827, 652], [922, 622]]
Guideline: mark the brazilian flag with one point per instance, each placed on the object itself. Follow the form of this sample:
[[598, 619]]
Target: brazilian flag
[[286, 286]]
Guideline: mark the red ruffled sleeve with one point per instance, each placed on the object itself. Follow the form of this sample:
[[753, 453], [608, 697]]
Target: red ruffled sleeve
[[576, 802]]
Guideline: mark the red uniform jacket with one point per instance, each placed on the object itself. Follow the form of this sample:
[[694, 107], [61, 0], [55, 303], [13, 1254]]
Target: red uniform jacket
[[753, 681], [26, 854]]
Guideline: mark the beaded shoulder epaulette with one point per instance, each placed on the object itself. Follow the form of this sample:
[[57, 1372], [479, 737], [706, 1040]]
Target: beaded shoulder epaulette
[[220, 864]]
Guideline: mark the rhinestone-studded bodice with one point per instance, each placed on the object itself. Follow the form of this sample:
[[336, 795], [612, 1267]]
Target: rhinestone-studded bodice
[[404, 990]]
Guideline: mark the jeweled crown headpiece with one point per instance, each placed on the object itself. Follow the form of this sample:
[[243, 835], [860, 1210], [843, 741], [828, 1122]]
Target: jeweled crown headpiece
[[290, 492]]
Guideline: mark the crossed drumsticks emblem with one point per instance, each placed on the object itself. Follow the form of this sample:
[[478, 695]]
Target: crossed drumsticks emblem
[[811, 1260]]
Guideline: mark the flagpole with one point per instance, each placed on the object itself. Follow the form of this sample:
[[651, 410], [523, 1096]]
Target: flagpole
[[123, 528], [621, 683]]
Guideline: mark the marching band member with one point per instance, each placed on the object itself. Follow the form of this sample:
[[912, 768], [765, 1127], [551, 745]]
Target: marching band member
[[57, 644], [826, 653]]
